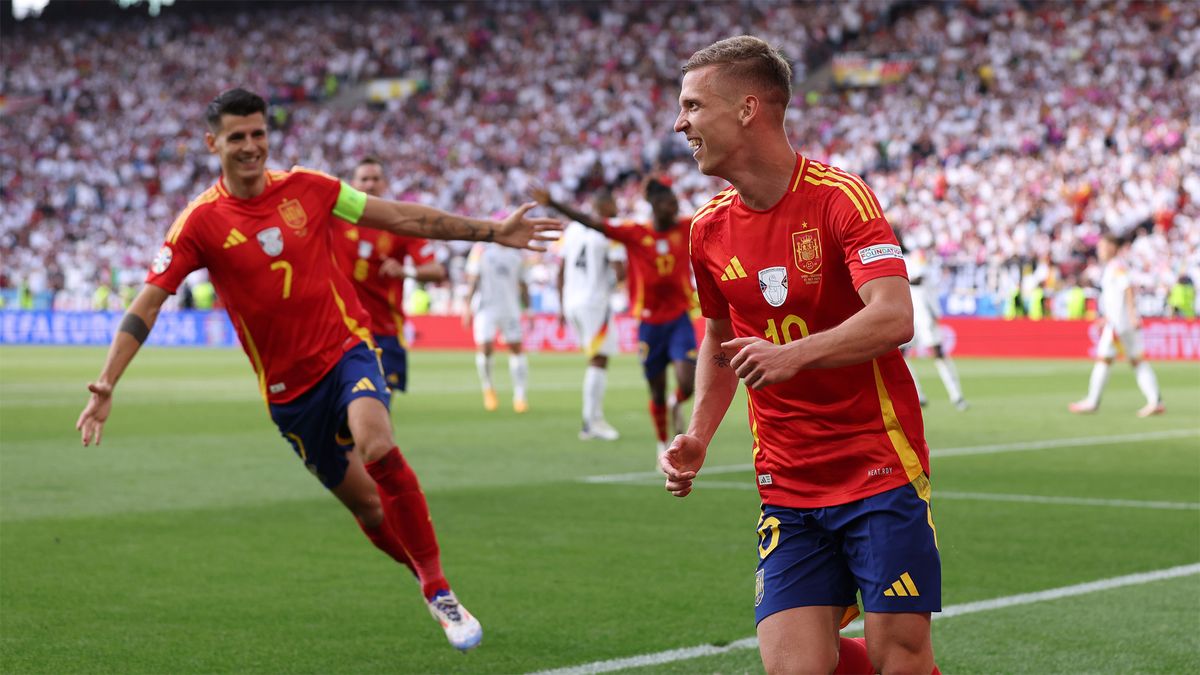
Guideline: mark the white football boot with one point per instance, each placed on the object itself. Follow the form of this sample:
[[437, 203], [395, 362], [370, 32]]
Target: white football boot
[[462, 630]]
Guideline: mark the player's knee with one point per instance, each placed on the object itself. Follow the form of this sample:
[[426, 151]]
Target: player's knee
[[787, 662], [901, 655], [373, 447]]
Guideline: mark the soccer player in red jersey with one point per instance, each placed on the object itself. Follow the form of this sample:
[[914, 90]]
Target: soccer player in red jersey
[[266, 238], [376, 263], [661, 293], [802, 284]]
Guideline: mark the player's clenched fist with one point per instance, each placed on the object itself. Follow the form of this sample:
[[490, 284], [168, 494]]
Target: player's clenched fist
[[759, 362]]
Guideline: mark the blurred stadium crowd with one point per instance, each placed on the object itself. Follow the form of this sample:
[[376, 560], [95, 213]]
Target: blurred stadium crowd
[[1016, 133]]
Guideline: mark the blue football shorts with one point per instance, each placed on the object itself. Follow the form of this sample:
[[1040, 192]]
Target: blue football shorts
[[884, 546], [315, 422], [394, 357], [661, 343]]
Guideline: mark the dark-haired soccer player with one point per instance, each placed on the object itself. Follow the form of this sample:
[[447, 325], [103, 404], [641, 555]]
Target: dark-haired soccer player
[[377, 263], [661, 293], [803, 287], [265, 237]]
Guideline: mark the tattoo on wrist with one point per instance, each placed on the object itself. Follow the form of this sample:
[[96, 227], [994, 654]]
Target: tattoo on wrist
[[491, 235], [720, 360], [133, 324]]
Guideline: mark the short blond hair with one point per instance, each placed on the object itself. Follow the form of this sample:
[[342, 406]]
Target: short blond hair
[[746, 58]]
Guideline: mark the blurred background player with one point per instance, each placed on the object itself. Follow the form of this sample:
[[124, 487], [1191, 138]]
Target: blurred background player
[[591, 268], [661, 296], [1123, 329], [926, 332], [378, 263], [498, 292], [265, 237]]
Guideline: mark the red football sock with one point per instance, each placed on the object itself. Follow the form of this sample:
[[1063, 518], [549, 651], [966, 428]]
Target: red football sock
[[679, 397], [852, 658], [659, 414], [407, 514], [935, 670], [385, 540]]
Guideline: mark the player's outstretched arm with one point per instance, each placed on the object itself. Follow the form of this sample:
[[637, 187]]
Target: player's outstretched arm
[[135, 327], [716, 383], [416, 220], [542, 196]]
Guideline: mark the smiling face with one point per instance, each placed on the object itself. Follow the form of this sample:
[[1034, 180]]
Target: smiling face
[[240, 142], [709, 120]]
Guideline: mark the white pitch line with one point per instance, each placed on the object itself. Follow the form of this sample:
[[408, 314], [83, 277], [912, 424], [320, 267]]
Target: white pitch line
[[687, 653], [945, 452], [1065, 443], [1001, 497]]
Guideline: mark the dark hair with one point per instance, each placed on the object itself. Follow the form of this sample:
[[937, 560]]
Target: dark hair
[[233, 102], [746, 58], [1112, 238], [656, 188], [369, 159]]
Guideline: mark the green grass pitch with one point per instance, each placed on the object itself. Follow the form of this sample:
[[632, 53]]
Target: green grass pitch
[[192, 540]]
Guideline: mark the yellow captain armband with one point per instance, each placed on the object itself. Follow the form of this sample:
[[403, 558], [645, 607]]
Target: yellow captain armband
[[350, 204]]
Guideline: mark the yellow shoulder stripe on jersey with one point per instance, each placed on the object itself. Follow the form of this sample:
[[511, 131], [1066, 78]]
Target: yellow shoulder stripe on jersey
[[208, 196], [855, 183], [721, 196], [862, 211], [800, 174], [713, 206]]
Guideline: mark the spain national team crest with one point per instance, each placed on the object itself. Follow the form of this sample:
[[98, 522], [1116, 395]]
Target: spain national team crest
[[773, 284], [807, 247], [271, 240], [759, 588], [293, 215]]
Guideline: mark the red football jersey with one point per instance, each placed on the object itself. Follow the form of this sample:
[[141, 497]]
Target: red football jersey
[[270, 259], [660, 278], [827, 436], [360, 252]]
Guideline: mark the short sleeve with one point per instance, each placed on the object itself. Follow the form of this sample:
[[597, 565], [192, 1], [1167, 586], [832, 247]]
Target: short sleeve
[[869, 246], [626, 234], [713, 304], [179, 255]]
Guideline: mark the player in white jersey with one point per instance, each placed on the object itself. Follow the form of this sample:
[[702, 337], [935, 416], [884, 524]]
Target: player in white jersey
[[498, 292], [1123, 328], [591, 266], [926, 333]]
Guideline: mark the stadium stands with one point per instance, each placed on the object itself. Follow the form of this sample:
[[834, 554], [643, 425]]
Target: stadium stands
[[1019, 133]]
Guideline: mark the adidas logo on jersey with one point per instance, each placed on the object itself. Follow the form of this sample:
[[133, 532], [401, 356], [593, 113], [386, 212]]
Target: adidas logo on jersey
[[733, 270], [234, 238], [902, 587], [363, 385]]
